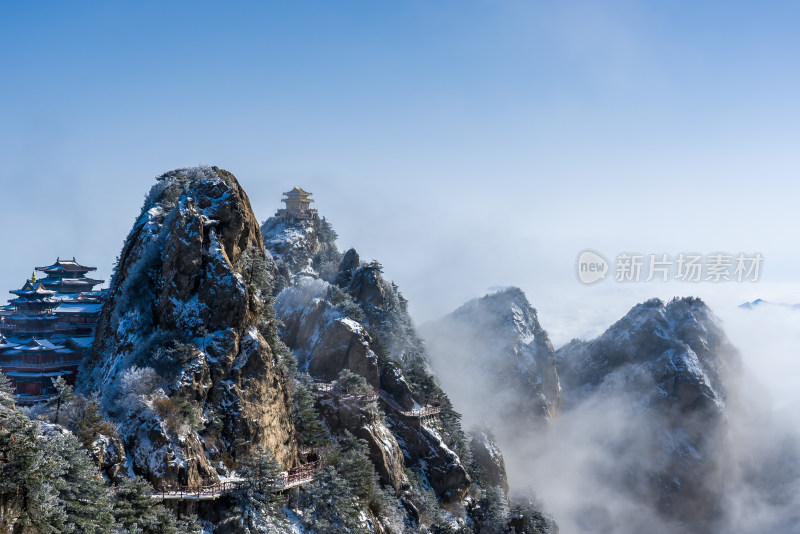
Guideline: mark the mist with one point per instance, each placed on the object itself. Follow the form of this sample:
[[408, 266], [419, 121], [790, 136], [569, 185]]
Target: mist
[[592, 466]]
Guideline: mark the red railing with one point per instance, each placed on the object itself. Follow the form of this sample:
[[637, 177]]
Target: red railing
[[294, 477], [302, 473], [432, 407], [296, 214], [330, 387]]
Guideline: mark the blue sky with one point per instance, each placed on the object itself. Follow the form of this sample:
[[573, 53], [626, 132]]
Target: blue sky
[[464, 144]]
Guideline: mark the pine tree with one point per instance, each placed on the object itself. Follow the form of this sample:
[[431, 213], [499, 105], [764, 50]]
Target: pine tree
[[257, 501], [137, 511], [253, 267], [326, 232], [329, 506], [492, 511], [91, 423], [63, 396], [6, 392], [306, 420], [85, 499], [352, 461], [352, 384], [28, 477]]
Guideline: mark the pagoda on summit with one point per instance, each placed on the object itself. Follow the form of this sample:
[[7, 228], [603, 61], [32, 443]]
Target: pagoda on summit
[[47, 327], [298, 205]]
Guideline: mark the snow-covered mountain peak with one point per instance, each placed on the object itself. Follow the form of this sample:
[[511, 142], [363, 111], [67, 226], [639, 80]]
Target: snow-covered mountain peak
[[666, 366], [507, 310], [301, 247], [496, 344]]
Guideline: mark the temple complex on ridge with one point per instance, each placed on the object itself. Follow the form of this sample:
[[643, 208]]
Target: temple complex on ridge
[[298, 205], [47, 327]]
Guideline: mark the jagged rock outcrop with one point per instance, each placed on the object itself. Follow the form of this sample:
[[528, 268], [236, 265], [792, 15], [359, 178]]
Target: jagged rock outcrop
[[108, 455], [668, 365], [395, 384], [313, 310], [487, 455], [180, 354], [324, 338], [423, 444], [384, 307], [350, 262], [344, 345], [301, 248], [363, 422], [496, 361]]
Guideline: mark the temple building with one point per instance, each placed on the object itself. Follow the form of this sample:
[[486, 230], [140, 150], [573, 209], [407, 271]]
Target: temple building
[[298, 205], [47, 327], [68, 277]]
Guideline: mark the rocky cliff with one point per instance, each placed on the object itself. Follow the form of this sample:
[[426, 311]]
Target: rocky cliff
[[335, 326], [300, 247], [182, 356], [497, 361], [669, 364]]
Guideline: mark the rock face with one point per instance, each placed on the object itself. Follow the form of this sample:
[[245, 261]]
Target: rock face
[[669, 364], [487, 455], [424, 445], [394, 383], [301, 248], [331, 322], [344, 345], [497, 346], [108, 455], [384, 308], [324, 338], [180, 355], [363, 422]]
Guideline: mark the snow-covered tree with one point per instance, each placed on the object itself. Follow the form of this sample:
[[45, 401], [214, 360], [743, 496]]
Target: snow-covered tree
[[63, 396], [86, 501], [328, 505], [351, 459], [28, 476], [257, 501], [306, 420], [6, 392], [352, 384], [492, 511], [136, 511], [253, 266]]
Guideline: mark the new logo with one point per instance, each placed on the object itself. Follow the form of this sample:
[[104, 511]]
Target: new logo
[[592, 267]]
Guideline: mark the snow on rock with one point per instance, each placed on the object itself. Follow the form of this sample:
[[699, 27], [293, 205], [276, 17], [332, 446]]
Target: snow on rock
[[668, 364], [497, 346], [342, 414], [487, 455], [301, 248], [183, 320], [325, 341]]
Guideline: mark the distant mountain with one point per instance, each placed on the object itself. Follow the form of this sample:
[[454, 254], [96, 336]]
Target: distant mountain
[[760, 303], [623, 433], [670, 365], [496, 360]]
